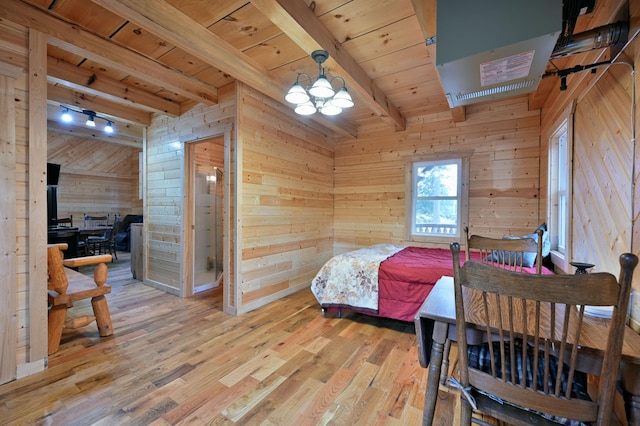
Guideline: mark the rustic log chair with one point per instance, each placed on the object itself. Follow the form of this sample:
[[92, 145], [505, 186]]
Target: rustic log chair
[[528, 371], [509, 254], [66, 286]]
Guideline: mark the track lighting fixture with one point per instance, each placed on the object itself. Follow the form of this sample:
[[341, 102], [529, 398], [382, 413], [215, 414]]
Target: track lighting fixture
[[66, 117], [319, 95]]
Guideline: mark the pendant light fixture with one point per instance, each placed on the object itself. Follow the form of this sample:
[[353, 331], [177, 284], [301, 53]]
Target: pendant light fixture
[[319, 95]]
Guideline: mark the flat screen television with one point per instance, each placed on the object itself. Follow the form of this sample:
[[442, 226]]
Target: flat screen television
[[52, 205], [53, 173]]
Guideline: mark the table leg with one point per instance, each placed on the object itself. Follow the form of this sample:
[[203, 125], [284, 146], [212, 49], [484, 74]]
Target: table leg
[[445, 362], [439, 337], [631, 385]]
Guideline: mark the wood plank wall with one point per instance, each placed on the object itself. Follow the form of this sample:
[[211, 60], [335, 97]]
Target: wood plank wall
[[95, 177], [286, 206], [8, 250], [164, 184], [606, 200], [14, 50], [602, 162], [286, 202], [504, 137]]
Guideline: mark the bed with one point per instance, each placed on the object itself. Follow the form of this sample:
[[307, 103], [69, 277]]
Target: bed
[[384, 280]]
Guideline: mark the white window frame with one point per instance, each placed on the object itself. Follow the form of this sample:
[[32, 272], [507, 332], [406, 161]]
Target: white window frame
[[560, 193], [462, 159]]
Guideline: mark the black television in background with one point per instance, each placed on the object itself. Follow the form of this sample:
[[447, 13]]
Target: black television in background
[[53, 173], [52, 205]]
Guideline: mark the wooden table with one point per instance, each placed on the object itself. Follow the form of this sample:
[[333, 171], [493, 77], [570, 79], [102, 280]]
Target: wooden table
[[435, 322], [95, 230]]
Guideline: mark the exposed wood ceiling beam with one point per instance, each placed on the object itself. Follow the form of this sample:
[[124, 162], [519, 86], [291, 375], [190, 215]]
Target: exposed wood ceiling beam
[[300, 24], [86, 133], [169, 23], [426, 12], [62, 95], [86, 81], [71, 38]]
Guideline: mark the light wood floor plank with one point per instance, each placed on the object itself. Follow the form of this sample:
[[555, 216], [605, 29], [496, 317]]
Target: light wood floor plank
[[175, 361]]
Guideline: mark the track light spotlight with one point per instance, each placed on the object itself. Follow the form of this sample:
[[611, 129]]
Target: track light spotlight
[[90, 122], [66, 116]]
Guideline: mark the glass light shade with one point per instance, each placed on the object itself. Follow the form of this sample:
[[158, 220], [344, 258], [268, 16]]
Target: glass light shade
[[306, 108], [108, 128], [297, 95], [66, 116], [342, 99], [90, 122], [330, 109], [321, 88]]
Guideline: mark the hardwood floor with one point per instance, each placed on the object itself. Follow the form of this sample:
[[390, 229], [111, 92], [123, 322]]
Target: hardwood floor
[[183, 361]]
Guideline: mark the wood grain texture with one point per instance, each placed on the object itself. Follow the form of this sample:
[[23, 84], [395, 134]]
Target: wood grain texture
[[7, 228], [175, 360], [37, 131], [95, 177], [503, 138]]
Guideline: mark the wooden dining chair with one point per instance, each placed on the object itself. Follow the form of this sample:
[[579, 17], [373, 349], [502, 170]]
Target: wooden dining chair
[[94, 221], [518, 342], [106, 244], [509, 253], [512, 253]]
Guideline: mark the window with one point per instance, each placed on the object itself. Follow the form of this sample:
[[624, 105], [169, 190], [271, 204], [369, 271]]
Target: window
[[438, 199], [559, 210]]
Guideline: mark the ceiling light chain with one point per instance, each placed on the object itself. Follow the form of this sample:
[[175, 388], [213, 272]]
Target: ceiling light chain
[[66, 117], [319, 95]]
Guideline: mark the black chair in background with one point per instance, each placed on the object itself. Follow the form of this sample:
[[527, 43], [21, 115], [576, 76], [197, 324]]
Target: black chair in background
[[65, 221]]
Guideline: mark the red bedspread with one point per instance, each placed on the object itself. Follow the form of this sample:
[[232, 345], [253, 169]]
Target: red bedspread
[[406, 278]]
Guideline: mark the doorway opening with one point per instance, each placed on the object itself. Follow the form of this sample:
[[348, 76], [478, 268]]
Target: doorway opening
[[204, 215], [208, 220]]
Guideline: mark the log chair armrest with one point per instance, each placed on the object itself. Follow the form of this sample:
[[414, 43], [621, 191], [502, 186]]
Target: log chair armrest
[[76, 262], [99, 274]]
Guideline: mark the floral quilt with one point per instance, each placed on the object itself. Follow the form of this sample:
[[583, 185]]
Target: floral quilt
[[351, 279]]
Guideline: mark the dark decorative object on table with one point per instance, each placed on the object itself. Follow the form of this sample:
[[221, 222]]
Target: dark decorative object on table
[[581, 267]]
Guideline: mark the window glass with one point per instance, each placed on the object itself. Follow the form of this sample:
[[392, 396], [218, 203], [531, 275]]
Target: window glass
[[436, 201], [559, 193]]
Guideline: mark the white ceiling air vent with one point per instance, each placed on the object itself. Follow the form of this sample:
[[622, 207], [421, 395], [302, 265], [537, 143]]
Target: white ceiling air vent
[[496, 48]]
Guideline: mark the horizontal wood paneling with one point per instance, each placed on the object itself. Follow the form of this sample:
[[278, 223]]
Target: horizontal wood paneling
[[504, 137], [286, 202], [164, 183], [22, 235], [95, 177]]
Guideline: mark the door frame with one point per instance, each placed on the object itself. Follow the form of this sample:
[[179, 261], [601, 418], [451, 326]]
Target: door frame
[[188, 219]]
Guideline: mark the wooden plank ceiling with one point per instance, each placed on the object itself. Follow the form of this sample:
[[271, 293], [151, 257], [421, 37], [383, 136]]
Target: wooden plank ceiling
[[129, 59]]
